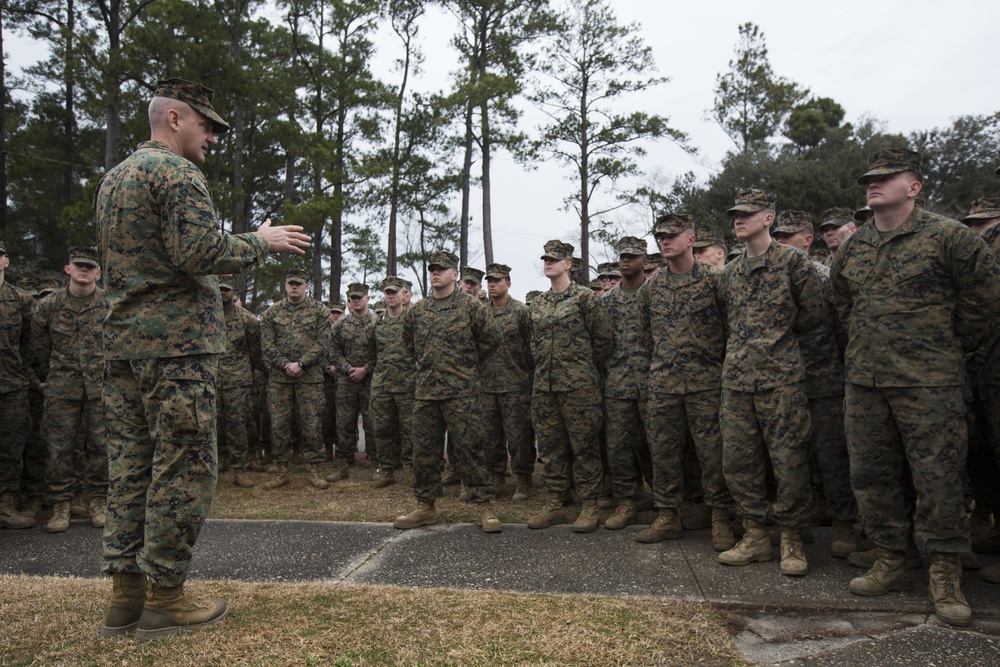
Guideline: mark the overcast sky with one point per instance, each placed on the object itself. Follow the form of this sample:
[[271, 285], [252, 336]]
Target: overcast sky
[[914, 65]]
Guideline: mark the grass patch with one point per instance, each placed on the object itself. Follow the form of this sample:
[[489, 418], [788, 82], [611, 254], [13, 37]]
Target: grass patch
[[55, 621]]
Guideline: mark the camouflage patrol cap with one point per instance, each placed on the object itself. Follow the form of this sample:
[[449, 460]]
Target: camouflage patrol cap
[[792, 222], [837, 217], [46, 286], [751, 200], [28, 284], [379, 307], [393, 284], [335, 306], [708, 238], [296, 275], [608, 270], [444, 259], [653, 261], [736, 251], [577, 264], [631, 245], [83, 255], [864, 214], [471, 275], [407, 285], [197, 96], [672, 223], [596, 285], [556, 249], [498, 271], [226, 281], [357, 290], [984, 208], [892, 161], [531, 296]]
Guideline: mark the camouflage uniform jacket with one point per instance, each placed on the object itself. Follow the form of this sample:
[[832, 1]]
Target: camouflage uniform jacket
[[69, 348], [822, 351], [769, 309], [242, 357], [295, 332], [913, 301], [511, 367], [682, 329], [448, 339], [627, 373], [386, 354], [571, 338], [161, 251], [15, 340], [347, 343]]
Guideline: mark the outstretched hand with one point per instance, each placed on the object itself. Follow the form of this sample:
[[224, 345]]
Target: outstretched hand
[[285, 238]]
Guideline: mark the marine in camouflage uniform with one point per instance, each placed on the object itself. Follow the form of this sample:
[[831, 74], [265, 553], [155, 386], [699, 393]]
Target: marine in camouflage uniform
[[68, 344], [448, 334], [392, 384], [161, 250], [354, 380], [294, 343], [33, 487], [571, 339], [236, 372], [330, 392], [913, 290], [774, 299], [626, 384], [16, 375], [683, 335], [824, 386], [506, 385], [837, 227]]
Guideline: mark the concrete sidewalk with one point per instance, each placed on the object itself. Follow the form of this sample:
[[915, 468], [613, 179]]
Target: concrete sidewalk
[[774, 619]]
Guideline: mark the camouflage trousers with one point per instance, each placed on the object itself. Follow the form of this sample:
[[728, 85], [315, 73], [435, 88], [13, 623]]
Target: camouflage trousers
[[392, 415], [771, 423], [924, 426], [507, 417], [625, 435], [829, 456], [64, 421], [305, 401], [162, 462], [675, 421], [983, 461], [15, 429], [460, 418], [353, 399], [568, 426], [234, 417], [35, 450]]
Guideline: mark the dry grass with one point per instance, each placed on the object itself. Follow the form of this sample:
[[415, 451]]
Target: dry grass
[[354, 499], [53, 621]]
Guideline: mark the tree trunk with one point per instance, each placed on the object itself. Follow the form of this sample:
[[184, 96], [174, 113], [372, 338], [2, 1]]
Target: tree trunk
[[390, 254], [463, 243], [3, 136]]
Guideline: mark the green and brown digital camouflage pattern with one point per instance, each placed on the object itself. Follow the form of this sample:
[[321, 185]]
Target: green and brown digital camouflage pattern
[[16, 308], [386, 356], [242, 356], [448, 339], [68, 345], [510, 368], [628, 369], [161, 252], [347, 347], [914, 301], [769, 308], [296, 332]]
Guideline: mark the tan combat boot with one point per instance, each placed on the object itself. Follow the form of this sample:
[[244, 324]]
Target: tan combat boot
[[9, 516], [59, 523], [315, 478], [97, 511], [753, 548], [589, 519], [722, 532], [667, 526], [945, 590], [793, 559], [844, 543], [383, 477], [128, 596], [625, 515], [78, 507], [242, 478], [278, 478], [487, 520], [695, 516], [169, 610], [866, 559], [523, 489], [340, 468], [889, 573], [425, 515], [551, 513]]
